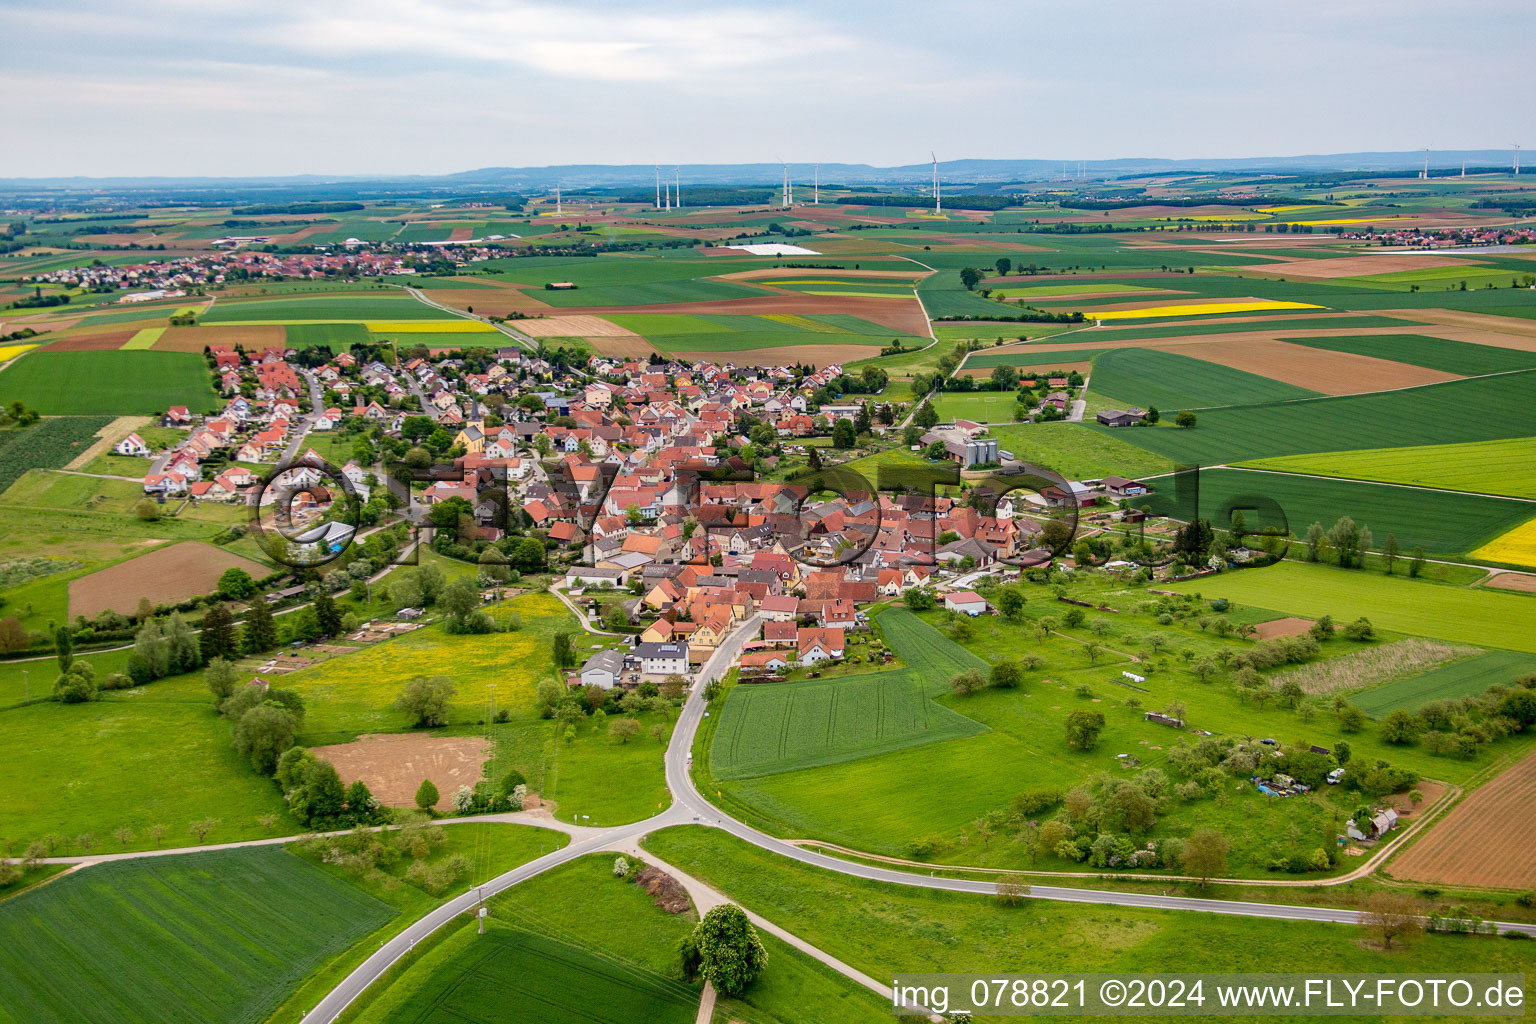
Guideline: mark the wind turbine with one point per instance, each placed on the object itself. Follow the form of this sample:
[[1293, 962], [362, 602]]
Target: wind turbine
[[558, 210], [658, 186], [1425, 175], [938, 203], [1517, 158], [677, 186], [787, 197], [816, 186]]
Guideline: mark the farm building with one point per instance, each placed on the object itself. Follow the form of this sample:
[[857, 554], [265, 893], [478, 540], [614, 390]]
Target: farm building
[[966, 602], [1120, 417], [603, 669]]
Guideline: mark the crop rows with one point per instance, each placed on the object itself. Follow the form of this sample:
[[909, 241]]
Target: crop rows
[[1148, 377], [49, 445]]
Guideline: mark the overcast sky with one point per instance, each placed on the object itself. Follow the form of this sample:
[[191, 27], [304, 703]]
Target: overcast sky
[[216, 87]]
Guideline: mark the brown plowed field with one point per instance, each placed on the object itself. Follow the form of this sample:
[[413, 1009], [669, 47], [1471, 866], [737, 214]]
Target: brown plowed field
[[195, 339], [1512, 581], [1282, 627], [572, 327], [1316, 369], [394, 765], [900, 314], [497, 301], [167, 575], [1486, 840], [91, 342]]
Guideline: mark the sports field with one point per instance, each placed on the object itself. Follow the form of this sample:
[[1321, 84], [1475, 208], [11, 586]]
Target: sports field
[[1146, 377], [1446, 522], [1484, 618], [111, 382], [1506, 467], [163, 940], [1462, 679], [778, 727]]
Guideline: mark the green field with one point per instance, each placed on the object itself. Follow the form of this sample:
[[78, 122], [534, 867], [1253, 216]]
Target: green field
[[1506, 467], [1446, 522], [979, 406], [50, 444], [1462, 679], [1146, 377], [1076, 452], [112, 382], [1482, 409], [321, 308], [1024, 357], [336, 337], [1460, 357], [781, 727], [206, 937], [1485, 618]]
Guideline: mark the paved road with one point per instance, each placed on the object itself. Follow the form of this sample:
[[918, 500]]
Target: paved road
[[511, 332], [301, 428]]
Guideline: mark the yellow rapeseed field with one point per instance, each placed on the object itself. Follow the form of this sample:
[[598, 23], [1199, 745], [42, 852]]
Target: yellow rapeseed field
[[1517, 547], [8, 352], [457, 326], [1194, 309]]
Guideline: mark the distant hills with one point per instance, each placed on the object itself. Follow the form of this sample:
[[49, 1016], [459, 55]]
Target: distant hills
[[585, 176]]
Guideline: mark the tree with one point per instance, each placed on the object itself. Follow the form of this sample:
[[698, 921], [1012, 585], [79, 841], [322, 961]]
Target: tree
[[202, 828], [970, 277], [1186, 419], [13, 636], [76, 686], [64, 647], [1344, 536], [123, 835], [623, 730], [1416, 565], [1005, 377], [260, 631], [1400, 728], [426, 795], [426, 700], [729, 953], [220, 677], [1351, 718], [1083, 728], [219, 638], [235, 584], [1006, 675], [529, 555], [460, 599], [146, 510], [1132, 809], [327, 614], [1315, 537], [967, 682], [1205, 667], [1360, 630], [1390, 552], [1003, 265], [844, 435], [1205, 855], [564, 654], [918, 600], [1391, 916], [263, 733], [927, 416], [1010, 602], [185, 653]]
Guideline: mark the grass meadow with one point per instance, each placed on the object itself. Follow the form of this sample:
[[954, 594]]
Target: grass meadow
[[873, 925], [1078, 452]]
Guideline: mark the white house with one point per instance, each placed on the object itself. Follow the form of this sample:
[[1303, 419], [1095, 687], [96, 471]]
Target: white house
[[603, 669], [965, 602], [133, 444], [663, 659]]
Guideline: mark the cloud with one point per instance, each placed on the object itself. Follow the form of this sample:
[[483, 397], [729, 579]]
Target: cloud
[[564, 41]]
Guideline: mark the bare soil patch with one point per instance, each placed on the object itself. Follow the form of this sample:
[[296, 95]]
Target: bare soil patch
[[1405, 807], [1512, 581], [579, 326], [195, 339], [667, 892], [1331, 373], [1282, 627], [461, 234], [493, 301], [1485, 840], [168, 575], [393, 765]]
